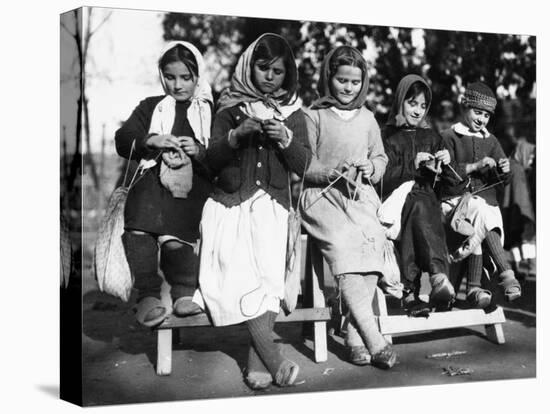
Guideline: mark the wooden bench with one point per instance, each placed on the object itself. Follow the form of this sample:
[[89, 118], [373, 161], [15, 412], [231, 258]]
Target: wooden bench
[[313, 310], [402, 324]]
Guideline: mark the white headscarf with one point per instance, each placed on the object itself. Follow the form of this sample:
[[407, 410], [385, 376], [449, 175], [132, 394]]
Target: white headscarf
[[178, 178], [199, 112]]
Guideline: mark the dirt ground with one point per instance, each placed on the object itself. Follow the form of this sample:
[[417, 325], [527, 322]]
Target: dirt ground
[[119, 356]]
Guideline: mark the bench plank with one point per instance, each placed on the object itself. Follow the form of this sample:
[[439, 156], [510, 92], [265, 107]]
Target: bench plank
[[390, 325], [298, 315]]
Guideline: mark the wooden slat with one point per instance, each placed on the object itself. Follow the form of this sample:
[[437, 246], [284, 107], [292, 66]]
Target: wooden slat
[[319, 328], [306, 315], [164, 352], [298, 315], [390, 325]]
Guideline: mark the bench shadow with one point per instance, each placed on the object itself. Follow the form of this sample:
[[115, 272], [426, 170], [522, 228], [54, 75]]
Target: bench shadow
[[110, 320]]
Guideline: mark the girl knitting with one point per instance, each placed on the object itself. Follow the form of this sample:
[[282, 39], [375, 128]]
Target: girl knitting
[[417, 157], [484, 167], [258, 139], [348, 157], [168, 134]]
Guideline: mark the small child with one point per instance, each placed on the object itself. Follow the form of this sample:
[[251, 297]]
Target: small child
[[348, 157], [417, 157], [168, 135], [258, 139], [482, 164]]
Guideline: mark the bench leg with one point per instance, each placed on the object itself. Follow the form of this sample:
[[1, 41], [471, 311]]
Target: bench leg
[[317, 285], [380, 309], [495, 333], [164, 352]]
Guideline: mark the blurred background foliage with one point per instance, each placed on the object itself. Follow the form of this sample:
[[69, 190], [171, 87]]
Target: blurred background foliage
[[449, 60]]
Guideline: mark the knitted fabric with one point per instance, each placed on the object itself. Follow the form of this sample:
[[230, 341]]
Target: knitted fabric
[[480, 96], [475, 268], [261, 331]]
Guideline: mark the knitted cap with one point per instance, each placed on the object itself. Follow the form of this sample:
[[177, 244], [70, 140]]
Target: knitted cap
[[480, 96]]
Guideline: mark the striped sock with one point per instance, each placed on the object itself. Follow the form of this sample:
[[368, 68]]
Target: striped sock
[[496, 251], [475, 269]]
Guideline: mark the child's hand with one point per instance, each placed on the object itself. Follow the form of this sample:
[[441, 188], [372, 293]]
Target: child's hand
[[486, 162], [189, 145], [504, 165], [163, 142], [366, 169], [422, 157], [443, 156], [275, 130], [247, 127]]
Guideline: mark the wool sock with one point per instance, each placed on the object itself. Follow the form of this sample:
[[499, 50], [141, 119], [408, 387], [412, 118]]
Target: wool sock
[[353, 338], [142, 255], [255, 363], [179, 265], [496, 251], [261, 331], [358, 292], [475, 269]]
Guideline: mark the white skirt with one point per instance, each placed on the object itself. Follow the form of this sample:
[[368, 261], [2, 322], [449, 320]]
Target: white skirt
[[242, 259]]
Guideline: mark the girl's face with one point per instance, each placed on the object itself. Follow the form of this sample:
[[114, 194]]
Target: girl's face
[[268, 77], [476, 119], [180, 82], [346, 83], [414, 109]]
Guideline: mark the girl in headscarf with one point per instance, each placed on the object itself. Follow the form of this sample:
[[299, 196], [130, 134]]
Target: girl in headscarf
[[258, 139], [168, 136], [482, 164], [339, 204], [417, 158]]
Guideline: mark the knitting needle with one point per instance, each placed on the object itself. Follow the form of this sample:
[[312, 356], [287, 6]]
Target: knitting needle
[[454, 172], [328, 187]]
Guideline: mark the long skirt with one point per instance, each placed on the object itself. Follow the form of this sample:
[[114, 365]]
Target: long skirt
[[422, 246], [242, 258]]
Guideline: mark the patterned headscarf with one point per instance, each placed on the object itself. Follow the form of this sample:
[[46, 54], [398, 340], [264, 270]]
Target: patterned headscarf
[[242, 88], [326, 99]]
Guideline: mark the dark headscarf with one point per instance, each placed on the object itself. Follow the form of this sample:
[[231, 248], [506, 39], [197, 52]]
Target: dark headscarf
[[396, 117], [326, 99]]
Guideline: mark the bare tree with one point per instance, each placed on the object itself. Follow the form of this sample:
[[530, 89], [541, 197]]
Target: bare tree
[[82, 35]]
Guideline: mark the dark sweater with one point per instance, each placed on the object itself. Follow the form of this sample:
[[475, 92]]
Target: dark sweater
[[401, 146], [150, 207], [466, 150], [258, 162]]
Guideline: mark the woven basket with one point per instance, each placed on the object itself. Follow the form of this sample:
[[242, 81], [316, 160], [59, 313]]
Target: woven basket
[[111, 267], [293, 261]]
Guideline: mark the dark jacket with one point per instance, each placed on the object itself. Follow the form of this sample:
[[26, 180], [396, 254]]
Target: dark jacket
[[466, 150], [150, 207], [258, 162], [401, 145]]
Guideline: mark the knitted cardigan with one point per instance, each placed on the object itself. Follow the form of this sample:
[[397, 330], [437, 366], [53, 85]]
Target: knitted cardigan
[[464, 150], [257, 162]]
